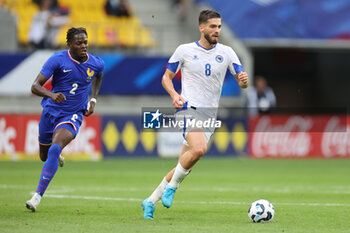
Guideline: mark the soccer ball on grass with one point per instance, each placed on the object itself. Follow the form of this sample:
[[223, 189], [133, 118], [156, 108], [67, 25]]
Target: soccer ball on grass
[[261, 211]]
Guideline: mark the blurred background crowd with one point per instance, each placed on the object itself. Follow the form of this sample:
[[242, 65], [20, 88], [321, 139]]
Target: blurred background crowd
[[295, 53]]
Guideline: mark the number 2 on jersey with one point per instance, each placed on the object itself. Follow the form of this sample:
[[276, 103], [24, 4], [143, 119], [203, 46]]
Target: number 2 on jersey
[[75, 86], [207, 69]]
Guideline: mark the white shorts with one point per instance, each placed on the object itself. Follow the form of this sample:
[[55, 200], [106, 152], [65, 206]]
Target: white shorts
[[192, 118]]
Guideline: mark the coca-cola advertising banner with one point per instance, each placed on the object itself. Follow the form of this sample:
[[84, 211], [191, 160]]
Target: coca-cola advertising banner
[[296, 136], [19, 138]]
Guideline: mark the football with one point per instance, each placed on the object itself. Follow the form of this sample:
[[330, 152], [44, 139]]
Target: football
[[261, 211]]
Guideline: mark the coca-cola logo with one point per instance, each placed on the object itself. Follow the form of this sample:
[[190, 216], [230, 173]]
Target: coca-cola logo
[[288, 139], [336, 139]]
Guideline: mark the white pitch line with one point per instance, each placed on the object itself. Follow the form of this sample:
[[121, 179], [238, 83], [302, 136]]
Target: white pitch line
[[338, 190], [192, 202], [287, 190], [11, 186], [335, 190], [92, 198]]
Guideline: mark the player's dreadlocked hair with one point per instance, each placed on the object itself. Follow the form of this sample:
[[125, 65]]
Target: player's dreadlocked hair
[[74, 31], [207, 14]]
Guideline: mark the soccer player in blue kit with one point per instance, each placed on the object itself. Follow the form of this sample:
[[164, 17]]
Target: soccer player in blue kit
[[73, 72]]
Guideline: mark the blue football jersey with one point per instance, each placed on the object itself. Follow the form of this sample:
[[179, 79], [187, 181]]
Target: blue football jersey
[[72, 78]]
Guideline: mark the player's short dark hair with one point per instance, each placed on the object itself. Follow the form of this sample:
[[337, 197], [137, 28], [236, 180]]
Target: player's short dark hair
[[74, 31], [207, 14]]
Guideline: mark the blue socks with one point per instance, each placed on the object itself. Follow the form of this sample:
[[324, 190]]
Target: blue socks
[[49, 168]]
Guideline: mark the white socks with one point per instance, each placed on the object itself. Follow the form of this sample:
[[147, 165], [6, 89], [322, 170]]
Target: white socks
[[158, 192], [179, 174]]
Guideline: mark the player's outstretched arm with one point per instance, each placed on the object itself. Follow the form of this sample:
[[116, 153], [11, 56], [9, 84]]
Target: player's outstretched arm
[[95, 88], [167, 83], [39, 90], [242, 79]]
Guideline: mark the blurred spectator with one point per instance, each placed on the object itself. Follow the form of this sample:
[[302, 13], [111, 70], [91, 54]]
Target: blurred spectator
[[45, 26], [117, 8], [261, 98], [54, 3], [181, 6]]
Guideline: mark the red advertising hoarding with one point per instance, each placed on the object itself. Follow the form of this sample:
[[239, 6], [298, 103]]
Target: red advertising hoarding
[[19, 138], [294, 136]]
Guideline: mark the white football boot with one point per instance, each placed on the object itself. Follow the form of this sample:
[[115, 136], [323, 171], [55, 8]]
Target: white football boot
[[33, 203], [61, 161]]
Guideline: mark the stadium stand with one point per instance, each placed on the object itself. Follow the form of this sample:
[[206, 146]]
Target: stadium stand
[[104, 30], [8, 35]]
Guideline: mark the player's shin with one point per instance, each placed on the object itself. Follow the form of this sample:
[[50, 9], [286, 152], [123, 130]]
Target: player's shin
[[158, 192], [179, 174], [49, 168]]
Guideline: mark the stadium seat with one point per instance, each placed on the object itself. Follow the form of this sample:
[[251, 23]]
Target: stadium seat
[[121, 31]]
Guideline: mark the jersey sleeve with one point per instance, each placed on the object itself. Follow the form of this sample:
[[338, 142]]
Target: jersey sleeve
[[235, 65], [176, 60], [50, 66]]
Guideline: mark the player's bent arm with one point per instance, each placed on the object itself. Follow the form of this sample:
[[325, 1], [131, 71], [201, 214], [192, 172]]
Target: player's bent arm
[[167, 83], [39, 90], [37, 86], [242, 79], [96, 84], [95, 88]]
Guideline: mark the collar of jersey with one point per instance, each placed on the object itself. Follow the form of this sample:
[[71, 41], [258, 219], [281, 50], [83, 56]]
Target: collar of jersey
[[197, 43], [76, 60]]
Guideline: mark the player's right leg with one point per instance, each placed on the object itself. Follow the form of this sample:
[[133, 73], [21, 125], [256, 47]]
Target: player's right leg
[[45, 137], [61, 138], [197, 142], [47, 173]]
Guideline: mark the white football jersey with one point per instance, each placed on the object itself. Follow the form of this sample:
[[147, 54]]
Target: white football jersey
[[203, 71]]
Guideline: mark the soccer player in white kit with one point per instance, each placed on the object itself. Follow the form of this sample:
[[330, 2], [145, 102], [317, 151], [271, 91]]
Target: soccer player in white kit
[[203, 67]]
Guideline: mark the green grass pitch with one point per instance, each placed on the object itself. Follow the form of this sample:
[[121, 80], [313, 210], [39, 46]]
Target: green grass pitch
[[308, 196]]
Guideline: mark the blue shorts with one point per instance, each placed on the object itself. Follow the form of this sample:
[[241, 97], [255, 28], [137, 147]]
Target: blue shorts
[[49, 124]]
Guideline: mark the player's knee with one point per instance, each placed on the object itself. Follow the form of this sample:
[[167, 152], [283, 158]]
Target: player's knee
[[199, 151]]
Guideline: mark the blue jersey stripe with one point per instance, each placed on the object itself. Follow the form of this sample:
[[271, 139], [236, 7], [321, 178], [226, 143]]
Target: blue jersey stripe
[[197, 43], [238, 68], [173, 66]]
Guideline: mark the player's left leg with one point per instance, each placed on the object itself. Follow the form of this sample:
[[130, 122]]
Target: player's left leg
[[61, 160], [46, 128], [44, 149]]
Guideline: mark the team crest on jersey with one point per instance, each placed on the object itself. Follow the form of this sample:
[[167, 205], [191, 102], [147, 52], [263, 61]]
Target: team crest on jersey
[[219, 58], [195, 57], [90, 73]]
